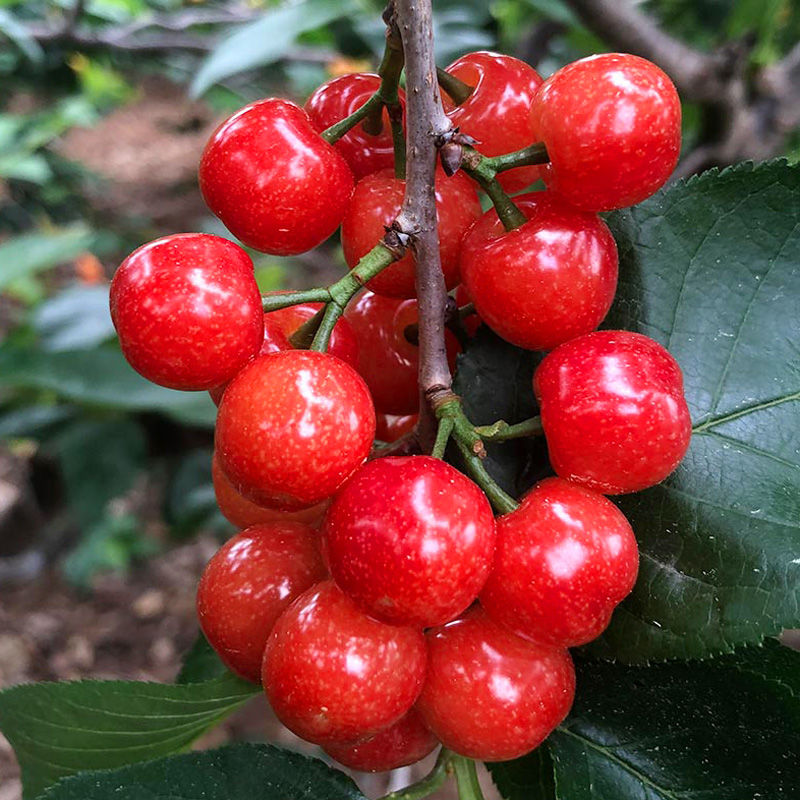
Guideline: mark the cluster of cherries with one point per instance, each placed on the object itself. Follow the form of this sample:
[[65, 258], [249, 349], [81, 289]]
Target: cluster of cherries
[[379, 602]]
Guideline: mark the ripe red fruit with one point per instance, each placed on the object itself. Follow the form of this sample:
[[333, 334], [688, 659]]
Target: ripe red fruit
[[612, 127], [546, 282], [187, 310], [339, 98], [410, 540], [243, 513], [565, 559], [292, 427], [613, 411], [375, 204], [334, 675], [497, 111], [387, 359], [389, 427], [406, 742], [489, 694], [273, 180], [249, 583]]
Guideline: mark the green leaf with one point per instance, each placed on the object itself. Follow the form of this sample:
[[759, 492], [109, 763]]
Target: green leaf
[[711, 269], [528, 778], [267, 40], [34, 252], [76, 319], [32, 420], [727, 729], [201, 663], [58, 729], [237, 772], [18, 33]]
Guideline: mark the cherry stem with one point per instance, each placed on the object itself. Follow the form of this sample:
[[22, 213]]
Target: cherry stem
[[301, 339], [469, 788], [481, 170], [531, 155], [329, 319], [446, 426], [455, 88], [436, 778], [467, 310], [501, 431], [343, 126]]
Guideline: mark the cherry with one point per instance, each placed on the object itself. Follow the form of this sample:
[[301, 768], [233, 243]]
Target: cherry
[[387, 359], [249, 583], [546, 282], [404, 743], [273, 180], [337, 99], [292, 427], [332, 674], [243, 513], [565, 559], [489, 694], [375, 204], [187, 310], [497, 111], [410, 540], [613, 411], [612, 127], [389, 427]]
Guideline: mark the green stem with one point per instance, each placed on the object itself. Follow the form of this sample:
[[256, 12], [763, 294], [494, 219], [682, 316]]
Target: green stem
[[469, 788], [301, 339], [466, 310], [398, 139], [479, 168], [501, 431], [446, 426], [532, 154], [273, 302], [457, 89], [430, 783], [370, 265], [329, 319], [335, 132]]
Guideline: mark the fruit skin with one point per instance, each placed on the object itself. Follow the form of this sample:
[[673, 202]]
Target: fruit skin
[[564, 560], [497, 111], [273, 180], [292, 427], [338, 98], [332, 674], [387, 360], [406, 742], [187, 310], [376, 202], [390, 427], [546, 282], [613, 411], [243, 513], [249, 583], [489, 694], [612, 127], [410, 540]]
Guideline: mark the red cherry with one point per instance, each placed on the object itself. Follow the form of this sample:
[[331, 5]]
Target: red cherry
[[546, 282], [496, 113], [565, 559], [612, 126], [292, 427], [375, 204], [410, 540], [406, 742], [249, 583], [613, 411], [273, 180], [337, 99], [489, 694], [187, 310], [389, 427], [334, 675], [243, 513], [387, 360]]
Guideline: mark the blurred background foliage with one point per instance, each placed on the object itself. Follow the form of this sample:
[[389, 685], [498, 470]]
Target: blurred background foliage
[[106, 106]]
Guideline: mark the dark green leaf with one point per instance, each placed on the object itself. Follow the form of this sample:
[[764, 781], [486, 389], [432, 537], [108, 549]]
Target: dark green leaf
[[18, 33], [527, 778], [727, 729], [190, 498], [57, 729], [201, 663], [32, 420], [711, 269], [76, 319], [238, 772]]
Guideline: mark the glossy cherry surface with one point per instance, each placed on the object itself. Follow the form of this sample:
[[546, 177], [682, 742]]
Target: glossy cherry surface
[[338, 98], [187, 310], [387, 359], [390, 427], [489, 694], [249, 583], [410, 540], [332, 674], [406, 742], [292, 427], [546, 282], [612, 127], [273, 180], [375, 204], [565, 559], [613, 411], [497, 111]]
